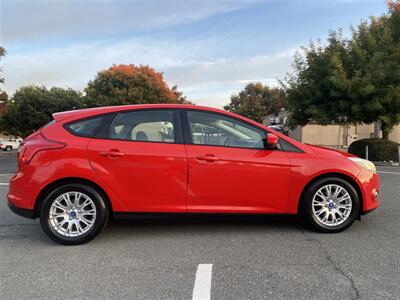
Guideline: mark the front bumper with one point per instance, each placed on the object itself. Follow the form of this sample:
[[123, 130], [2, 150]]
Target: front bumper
[[370, 186], [23, 212]]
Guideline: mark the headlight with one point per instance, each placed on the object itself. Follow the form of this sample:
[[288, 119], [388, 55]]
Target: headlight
[[364, 163]]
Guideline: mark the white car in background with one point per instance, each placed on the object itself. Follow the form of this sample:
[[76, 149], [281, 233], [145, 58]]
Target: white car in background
[[10, 144]]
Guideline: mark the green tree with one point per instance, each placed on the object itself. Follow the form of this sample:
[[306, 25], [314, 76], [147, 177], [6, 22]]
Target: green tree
[[317, 90], [2, 53], [130, 84], [375, 80], [256, 101], [354, 80], [3, 95], [31, 107]]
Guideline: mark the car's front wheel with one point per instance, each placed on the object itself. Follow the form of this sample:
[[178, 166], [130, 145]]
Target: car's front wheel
[[73, 214], [330, 205]]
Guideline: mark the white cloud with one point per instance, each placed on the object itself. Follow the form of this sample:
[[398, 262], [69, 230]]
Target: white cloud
[[33, 20], [203, 79]]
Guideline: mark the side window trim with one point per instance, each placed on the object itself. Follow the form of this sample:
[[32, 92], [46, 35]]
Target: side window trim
[[187, 132], [178, 130], [107, 123]]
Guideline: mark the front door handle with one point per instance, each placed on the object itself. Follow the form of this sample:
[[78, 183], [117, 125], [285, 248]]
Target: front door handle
[[207, 157], [113, 153]]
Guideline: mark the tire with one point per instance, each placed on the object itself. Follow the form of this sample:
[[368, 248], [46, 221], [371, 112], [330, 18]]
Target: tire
[[75, 216], [8, 148], [340, 215]]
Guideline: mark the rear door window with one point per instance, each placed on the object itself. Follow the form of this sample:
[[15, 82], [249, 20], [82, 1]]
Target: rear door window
[[144, 126]]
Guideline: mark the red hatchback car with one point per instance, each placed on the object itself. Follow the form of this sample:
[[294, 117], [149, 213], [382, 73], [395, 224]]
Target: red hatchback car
[[89, 165]]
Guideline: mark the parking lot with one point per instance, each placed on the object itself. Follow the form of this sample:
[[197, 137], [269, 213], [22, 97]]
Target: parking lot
[[245, 258]]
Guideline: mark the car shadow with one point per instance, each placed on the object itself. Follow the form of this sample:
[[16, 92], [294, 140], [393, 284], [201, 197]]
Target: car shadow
[[185, 228], [205, 224]]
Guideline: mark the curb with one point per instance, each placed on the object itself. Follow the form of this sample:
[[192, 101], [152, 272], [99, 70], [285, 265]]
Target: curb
[[386, 163]]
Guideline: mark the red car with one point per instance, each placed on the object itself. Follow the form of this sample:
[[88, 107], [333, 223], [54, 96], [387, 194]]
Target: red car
[[89, 165]]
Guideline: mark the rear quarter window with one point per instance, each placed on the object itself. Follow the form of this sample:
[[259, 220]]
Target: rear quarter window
[[87, 127]]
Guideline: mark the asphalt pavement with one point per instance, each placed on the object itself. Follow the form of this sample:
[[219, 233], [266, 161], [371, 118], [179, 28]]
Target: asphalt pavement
[[8, 162], [244, 259]]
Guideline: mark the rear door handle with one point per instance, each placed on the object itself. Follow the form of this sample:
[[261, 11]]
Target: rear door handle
[[113, 153], [207, 157]]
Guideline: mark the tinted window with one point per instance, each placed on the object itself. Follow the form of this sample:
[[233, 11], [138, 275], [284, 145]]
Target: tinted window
[[217, 130], [144, 126], [87, 127], [288, 147]]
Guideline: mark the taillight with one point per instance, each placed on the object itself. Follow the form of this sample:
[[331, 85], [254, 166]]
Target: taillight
[[35, 143]]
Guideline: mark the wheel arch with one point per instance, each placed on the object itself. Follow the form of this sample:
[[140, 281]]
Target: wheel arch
[[60, 182], [342, 176]]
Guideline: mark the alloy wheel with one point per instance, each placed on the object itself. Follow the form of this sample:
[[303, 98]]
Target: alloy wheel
[[331, 205], [72, 214]]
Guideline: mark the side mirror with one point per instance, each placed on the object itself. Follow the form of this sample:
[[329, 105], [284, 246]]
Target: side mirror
[[271, 141]]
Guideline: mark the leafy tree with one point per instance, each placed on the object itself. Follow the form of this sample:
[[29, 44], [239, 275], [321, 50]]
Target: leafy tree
[[31, 107], [317, 90], [2, 53], [375, 82], [256, 101], [354, 80], [394, 5], [130, 84], [179, 98], [3, 95]]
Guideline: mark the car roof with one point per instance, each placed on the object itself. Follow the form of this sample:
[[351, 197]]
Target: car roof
[[88, 112]]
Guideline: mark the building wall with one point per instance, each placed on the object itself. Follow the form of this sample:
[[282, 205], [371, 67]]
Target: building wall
[[337, 136], [296, 133], [395, 134], [328, 136], [365, 131]]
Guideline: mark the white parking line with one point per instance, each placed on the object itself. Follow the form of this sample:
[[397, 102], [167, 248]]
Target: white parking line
[[4, 183], [387, 172], [6, 174], [202, 284]]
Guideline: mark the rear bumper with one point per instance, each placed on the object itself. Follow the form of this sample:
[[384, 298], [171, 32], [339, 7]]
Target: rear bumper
[[21, 196], [23, 212], [23, 191]]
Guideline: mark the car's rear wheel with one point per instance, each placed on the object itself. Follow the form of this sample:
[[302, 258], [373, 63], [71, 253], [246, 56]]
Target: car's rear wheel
[[8, 148], [73, 214], [330, 205]]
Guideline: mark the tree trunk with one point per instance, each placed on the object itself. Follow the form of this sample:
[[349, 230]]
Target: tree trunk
[[386, 128]]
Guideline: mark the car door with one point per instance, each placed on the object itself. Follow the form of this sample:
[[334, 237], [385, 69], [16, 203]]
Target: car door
[[229, 168], [141, 157]]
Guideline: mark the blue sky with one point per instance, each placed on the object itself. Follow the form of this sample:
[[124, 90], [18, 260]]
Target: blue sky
[[210, 49]]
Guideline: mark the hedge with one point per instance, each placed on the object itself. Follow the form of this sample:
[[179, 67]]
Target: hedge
[[378, 149]]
